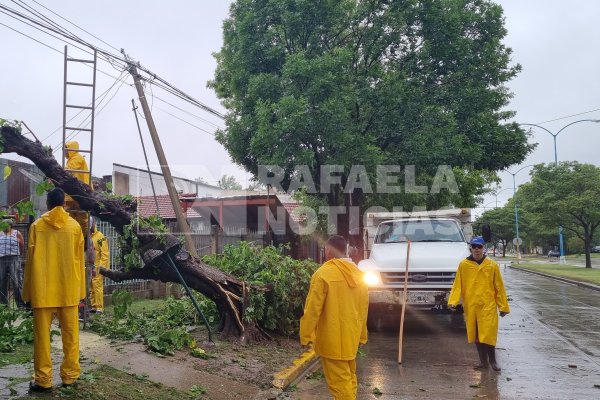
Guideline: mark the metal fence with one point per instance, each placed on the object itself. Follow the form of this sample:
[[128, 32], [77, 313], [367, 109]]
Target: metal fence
[[207, 241], [112, 236], [210, 240]]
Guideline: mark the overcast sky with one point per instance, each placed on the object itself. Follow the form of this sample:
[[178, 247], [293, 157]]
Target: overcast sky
[[554, 40]]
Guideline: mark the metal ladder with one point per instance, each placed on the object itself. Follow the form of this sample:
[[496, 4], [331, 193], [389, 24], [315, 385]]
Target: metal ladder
[[91, 107], [88, 129]]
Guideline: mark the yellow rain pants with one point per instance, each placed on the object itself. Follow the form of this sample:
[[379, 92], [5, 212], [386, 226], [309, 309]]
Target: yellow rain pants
[[341, 378], [483, 296], [97, 292], [101, 249], [69, 328]]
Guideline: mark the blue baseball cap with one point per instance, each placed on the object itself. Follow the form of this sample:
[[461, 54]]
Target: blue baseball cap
[[477, 240]]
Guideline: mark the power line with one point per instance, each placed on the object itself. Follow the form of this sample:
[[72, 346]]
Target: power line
[[61, 31], [77, 26], [40, 26], [184, 121], [33, 11], [73, 134], [30, 37], [570, 116], [53, 48], [187, 112], [101, 95], [56, 28]]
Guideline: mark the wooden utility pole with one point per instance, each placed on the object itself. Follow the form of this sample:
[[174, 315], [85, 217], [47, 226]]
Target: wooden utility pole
[[404, 300], [166, 171]]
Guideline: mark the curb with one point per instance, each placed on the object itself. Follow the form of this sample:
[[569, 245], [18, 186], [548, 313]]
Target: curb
[[558, 278], [299, 368]]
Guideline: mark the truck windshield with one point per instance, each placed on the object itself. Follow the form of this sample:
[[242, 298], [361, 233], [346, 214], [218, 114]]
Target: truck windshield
[[426, 230]]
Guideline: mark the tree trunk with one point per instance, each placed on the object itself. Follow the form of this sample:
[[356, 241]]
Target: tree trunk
[[225, 290], [588, 250]]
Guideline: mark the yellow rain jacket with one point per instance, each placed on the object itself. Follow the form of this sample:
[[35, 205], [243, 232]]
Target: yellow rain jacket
[[76, 161], [335, 313], [101, 248], [55, 268], [102, 260], [483, 295]]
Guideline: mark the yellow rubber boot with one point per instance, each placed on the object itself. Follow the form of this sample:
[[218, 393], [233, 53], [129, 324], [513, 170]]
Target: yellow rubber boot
[[97, 292]]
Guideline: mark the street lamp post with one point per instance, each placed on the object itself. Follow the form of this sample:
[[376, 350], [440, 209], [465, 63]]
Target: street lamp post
[[518, 239], [554, 135], [498, 192]]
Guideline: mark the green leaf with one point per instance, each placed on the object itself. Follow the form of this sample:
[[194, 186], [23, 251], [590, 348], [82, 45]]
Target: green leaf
[[25, 208], [43, 187], [7, 171]]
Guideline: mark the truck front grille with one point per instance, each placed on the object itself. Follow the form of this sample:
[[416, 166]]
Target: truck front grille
[[418, 278]]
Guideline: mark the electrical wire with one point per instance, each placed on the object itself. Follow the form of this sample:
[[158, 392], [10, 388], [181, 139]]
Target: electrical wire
[[55, 49], [98, 99], [172, 89], [184, 121], [569, 116], [77, 26], [74, 134], [187, 112], [32, 38]]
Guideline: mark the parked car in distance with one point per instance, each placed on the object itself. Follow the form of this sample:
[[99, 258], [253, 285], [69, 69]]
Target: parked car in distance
[[553, 253], [596, 249]]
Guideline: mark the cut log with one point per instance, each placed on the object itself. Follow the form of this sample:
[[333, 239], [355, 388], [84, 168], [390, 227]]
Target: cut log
[[225, 290]]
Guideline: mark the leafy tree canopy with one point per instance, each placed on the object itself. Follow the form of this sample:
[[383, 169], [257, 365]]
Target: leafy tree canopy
[[369, 82], [228, 182], [502, 223], [567, 194]]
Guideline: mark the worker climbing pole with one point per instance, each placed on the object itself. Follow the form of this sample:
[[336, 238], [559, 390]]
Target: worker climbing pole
[[74, 162]]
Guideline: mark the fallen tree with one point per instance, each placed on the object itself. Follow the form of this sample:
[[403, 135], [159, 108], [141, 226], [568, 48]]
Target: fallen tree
[[228, 292]]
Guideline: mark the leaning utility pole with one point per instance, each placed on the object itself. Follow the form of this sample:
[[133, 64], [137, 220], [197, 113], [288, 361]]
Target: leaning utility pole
[[181, 221]]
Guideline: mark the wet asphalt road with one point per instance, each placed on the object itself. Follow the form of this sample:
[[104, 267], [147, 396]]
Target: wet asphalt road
[[548, 347]]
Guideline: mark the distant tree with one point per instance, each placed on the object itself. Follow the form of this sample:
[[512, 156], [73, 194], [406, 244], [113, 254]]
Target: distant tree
[[256, 186], [567, 195], [228, 182]]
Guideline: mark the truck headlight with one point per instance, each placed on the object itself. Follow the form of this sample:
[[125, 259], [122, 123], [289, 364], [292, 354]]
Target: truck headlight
[[372, 278]]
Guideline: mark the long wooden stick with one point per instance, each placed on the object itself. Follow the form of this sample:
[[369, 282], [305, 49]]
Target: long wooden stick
[[404, 299]]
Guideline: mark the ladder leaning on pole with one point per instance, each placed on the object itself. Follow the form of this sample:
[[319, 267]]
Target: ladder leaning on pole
[[90, 107], [84, 128]]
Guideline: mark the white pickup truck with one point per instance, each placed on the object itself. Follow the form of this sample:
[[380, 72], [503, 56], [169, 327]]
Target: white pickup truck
[[438, 243]]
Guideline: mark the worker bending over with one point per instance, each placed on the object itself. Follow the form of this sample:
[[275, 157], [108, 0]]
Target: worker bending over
[[335, 318]]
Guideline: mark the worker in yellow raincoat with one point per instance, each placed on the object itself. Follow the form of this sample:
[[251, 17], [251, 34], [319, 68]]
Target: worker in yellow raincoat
[[335, 318], [479, 283], [54, 285], [78, 167], [100, 244]]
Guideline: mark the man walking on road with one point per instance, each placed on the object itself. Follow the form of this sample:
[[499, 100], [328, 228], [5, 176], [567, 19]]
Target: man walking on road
[[479, 283], [335, 318], [54, 284]]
